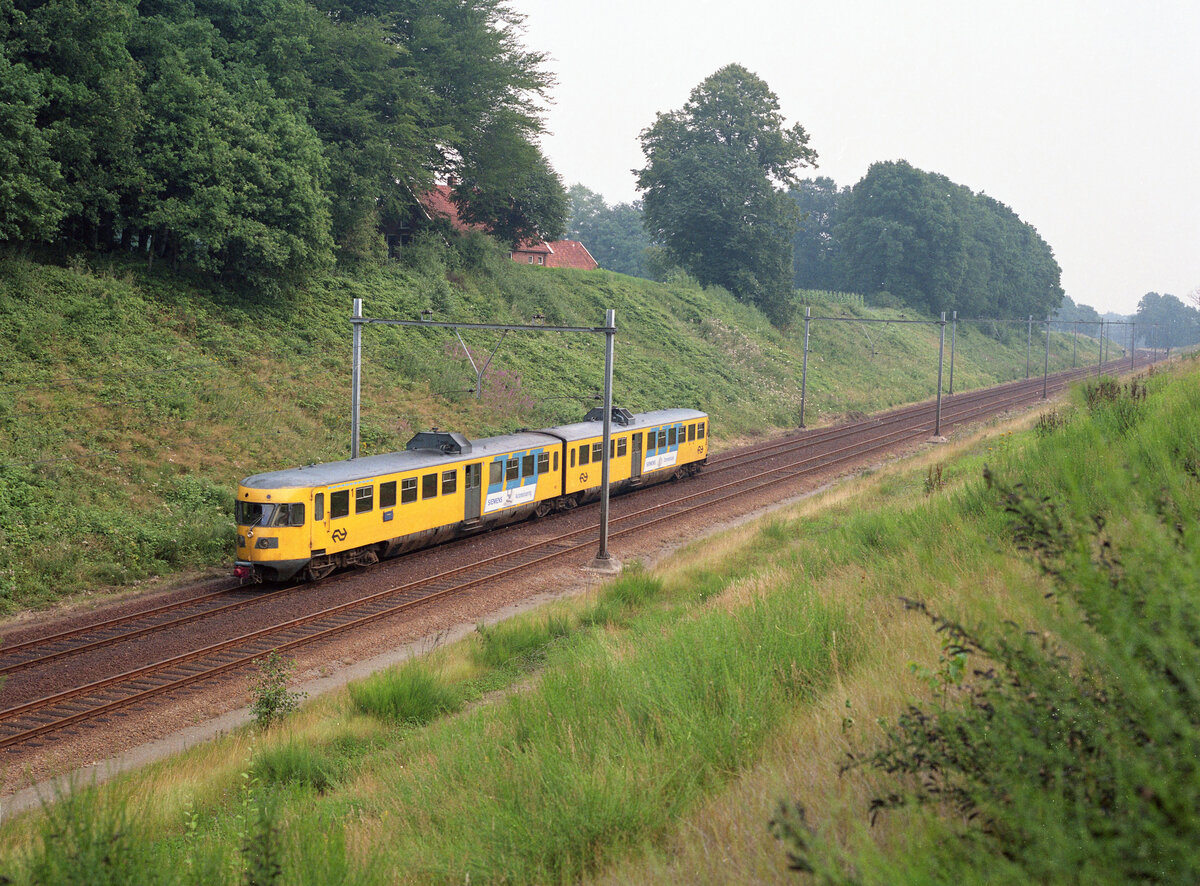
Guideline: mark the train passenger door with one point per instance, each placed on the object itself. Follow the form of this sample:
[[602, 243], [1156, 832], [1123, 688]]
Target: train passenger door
[[635, 468], [472, 484]]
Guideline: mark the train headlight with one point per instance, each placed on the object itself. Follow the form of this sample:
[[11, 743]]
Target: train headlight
[[264, 543]]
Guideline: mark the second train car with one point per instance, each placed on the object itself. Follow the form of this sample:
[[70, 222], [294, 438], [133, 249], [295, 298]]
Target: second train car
[[306, 522]]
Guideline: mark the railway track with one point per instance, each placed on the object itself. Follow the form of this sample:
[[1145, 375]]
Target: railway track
[[23, 726]]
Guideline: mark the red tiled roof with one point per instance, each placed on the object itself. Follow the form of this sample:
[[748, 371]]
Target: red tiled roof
[[438, 204], [557, 254], [571, 254]]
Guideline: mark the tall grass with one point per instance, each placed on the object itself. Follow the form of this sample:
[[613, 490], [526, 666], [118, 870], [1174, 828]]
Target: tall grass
[[411, 694], [1068, 749]]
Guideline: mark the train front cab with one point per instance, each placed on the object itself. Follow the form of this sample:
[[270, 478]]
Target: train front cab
[[273, 534], [359, 521]]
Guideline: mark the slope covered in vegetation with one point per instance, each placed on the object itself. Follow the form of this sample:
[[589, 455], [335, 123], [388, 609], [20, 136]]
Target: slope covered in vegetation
[[134, 401]]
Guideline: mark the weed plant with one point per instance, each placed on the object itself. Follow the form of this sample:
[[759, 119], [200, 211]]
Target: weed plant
[[295, 764]]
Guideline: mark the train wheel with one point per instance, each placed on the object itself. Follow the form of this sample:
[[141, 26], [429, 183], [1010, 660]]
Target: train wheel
[[316, 573], [543, 508]]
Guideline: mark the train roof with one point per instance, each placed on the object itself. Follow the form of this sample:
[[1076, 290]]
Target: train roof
[[636, 421], [352, 470]]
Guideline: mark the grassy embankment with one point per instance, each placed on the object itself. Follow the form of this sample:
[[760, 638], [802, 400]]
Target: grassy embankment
[[650, 731], [133, 402]]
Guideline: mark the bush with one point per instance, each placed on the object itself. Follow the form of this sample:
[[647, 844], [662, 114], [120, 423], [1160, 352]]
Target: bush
[[272, 699]]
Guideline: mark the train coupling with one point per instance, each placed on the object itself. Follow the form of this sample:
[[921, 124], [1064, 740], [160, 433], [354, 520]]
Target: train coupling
[[245, 572]]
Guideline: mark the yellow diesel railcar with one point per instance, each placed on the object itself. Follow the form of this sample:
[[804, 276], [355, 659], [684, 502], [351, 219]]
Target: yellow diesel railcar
[[312, 520]]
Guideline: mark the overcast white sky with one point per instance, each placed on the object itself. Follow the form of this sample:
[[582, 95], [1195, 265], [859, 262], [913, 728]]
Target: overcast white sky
[[1084, 117]]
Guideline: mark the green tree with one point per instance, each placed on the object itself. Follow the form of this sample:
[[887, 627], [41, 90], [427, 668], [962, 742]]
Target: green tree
[[1164, 321], [814, 246], [614, 235], [938, 246], [507, 185], [92, 110], [31, 199], [713, 185]]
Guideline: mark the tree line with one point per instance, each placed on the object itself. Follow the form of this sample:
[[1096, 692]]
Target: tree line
[[722, 198], [262, 140]]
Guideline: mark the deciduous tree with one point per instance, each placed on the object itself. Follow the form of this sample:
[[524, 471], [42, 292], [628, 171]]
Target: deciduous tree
[[714, 185]]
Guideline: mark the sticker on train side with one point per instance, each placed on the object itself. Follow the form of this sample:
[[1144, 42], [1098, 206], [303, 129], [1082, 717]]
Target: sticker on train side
[[509, 498], [662, 460]]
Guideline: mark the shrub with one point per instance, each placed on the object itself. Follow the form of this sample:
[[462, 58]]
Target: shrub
[[272, 699]]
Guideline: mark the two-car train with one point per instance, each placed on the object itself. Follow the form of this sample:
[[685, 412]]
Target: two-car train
[[312, 520]]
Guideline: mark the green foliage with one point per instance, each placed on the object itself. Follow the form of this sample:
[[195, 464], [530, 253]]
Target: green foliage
[[253, 148], [939, 247], [710, 188], [409, 695], [1163, 321], [614, 235], [272, 700], [814, 246]]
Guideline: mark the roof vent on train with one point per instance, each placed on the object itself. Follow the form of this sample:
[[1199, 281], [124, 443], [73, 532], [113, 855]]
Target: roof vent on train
[[619, 416], [441, 441]]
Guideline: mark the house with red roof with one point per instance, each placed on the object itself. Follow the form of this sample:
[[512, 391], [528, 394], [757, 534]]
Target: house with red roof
[[555, 254], [437, 203]]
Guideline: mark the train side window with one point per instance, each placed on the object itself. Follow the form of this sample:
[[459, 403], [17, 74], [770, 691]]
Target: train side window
[[496, 473], [514, 469], [612, 447], [662, 438], [598, 451], [671, 436], [408, 490], [449, 482], [339, 504], [429, 485], [691, 433], [543, 462], [387, 494], [556, 461], [527, 465], [319, 506], [572, 457], [584, 452], [622, 446], [364, 499], [297, 515], [700, 431]]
